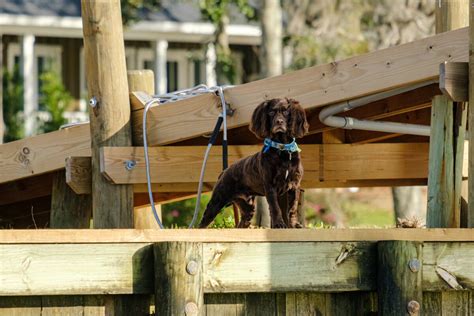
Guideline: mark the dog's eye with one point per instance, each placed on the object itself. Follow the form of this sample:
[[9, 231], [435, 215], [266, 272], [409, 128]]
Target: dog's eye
[[271, 113], [286, 112]]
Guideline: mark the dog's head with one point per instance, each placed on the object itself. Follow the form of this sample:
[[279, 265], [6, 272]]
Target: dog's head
[[279, 116]]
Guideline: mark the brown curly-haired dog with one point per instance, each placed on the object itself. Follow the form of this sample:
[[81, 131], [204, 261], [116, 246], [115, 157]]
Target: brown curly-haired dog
[[275, 170]]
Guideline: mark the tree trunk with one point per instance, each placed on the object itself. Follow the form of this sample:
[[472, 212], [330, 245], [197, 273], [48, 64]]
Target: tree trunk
[[271, 50], [408, 203], [224, 59], [271, 65]]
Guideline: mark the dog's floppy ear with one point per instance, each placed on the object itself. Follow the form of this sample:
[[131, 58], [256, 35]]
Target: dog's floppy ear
[[299, 125], [259, 124]]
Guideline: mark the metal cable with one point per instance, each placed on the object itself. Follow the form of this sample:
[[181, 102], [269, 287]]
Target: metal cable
[[176, 96]]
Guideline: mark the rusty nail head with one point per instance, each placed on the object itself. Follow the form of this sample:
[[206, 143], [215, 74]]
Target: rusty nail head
[[192, 267], [414, 265], [413, 308], [191, 309]]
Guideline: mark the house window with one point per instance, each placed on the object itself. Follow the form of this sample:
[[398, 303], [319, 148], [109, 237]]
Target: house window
[[47, 58], [180, 67]]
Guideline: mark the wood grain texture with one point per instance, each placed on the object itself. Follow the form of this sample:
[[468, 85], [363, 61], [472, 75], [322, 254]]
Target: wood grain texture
[[143, 80], [76, 269], [175, 287], [456, 258], [470, 215], [31, 188], [454, 80], [68, 209], [441, 210], [106, 74], [43, 153], [79, 174], [52, 236], [456, 303], [397, 284], [313, 87], [329, 162], [20, 306], [282, 267]]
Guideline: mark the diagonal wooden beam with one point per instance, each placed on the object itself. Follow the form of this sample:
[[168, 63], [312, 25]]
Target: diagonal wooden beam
[[43, 153], [314, 87]]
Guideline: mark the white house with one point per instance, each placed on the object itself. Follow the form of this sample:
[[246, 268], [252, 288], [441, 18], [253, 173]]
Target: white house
[[175, 42]]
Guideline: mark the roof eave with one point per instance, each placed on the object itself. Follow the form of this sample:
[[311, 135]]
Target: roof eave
[[189, 32]]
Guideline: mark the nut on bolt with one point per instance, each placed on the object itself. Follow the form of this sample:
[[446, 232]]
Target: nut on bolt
[[130, 164], [93, 102]]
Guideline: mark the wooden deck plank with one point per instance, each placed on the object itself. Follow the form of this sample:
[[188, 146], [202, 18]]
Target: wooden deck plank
[[313, 87], [52, 236], [78, 269], [285, 267]]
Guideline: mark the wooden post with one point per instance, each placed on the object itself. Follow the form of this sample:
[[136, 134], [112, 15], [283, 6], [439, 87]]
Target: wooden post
[[470, 215], [440, 211], [178, 279], [400, 278], [68, 209], [104, 53], [448, 127], [143, 80]]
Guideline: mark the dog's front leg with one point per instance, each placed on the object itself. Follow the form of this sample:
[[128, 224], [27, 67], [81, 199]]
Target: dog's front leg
[[293, 199], [275, 211]]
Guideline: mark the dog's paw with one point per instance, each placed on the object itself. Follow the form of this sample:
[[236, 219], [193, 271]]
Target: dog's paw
[[280, 224], [297, 225]]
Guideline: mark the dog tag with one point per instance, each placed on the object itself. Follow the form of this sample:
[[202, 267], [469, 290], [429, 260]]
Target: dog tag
[[286, 175], [289, 153]]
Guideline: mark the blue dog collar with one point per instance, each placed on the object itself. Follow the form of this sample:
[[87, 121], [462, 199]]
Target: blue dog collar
[[291, 147]]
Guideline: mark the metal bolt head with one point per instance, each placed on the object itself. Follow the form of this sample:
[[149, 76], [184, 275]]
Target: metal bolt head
[[192, 267], [191, 309], [130, 164], [414, 265], [413, 308], [93, 102]]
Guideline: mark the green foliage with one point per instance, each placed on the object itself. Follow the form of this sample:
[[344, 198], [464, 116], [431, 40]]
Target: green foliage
[[55, 98], [179, 214], [133, 9], [309, 51], [215, 10], [13, 104]]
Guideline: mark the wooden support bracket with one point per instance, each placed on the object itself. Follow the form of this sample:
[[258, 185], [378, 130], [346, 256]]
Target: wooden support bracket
[[454, 80]]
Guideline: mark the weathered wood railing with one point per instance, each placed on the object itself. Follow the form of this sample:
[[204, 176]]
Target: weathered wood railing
[[211, 271]]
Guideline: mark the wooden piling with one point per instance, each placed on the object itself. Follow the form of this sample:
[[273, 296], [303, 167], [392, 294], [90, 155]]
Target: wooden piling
[[400, 278], [470, 215], [104, 54], [179, 279], [441, 208], [143, 80], [68, 209], [448, 125]]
